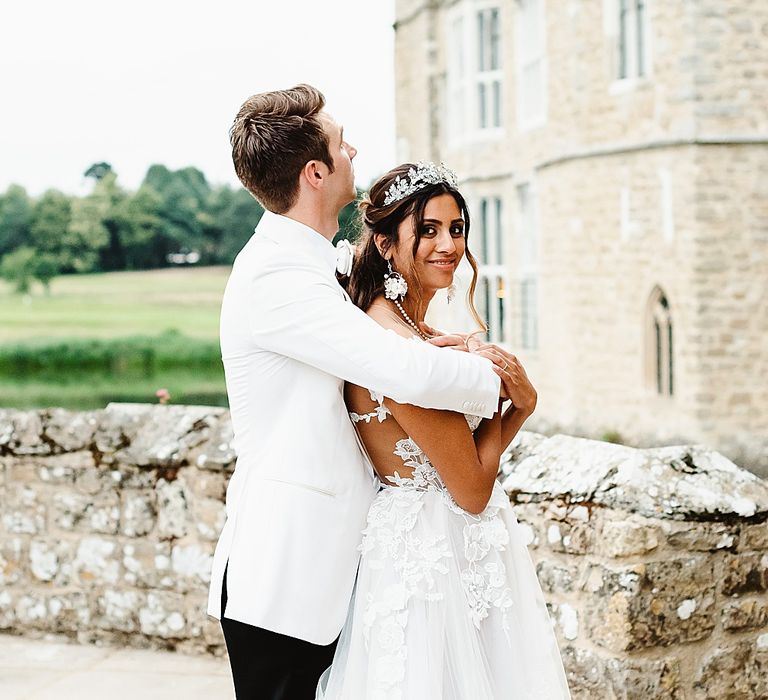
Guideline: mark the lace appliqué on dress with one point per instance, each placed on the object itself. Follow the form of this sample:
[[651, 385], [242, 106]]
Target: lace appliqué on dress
[[388, 540], [380, 412]]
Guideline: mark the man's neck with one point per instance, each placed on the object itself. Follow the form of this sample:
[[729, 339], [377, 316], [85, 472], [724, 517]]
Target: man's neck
[[326, 223]]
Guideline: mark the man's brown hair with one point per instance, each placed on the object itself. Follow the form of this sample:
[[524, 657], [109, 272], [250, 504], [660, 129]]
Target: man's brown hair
[[275, 134]]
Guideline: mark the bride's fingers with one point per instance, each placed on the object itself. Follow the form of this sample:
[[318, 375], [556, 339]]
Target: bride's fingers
[[448, 341], [429, 330], [497, 360]]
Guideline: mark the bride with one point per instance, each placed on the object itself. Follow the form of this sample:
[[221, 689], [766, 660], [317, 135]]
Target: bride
[[447, 605]]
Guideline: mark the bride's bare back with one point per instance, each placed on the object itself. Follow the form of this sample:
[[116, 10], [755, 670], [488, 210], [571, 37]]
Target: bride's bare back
[[443, 436]]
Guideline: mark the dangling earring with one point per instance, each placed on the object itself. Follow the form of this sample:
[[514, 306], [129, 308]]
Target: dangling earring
[[451, 292], [395, 286]]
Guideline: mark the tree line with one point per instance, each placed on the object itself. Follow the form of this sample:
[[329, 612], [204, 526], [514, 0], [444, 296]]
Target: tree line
[[173, 215]]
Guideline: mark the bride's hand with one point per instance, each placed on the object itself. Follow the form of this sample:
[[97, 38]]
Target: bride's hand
[[515, 383], [466, 342]]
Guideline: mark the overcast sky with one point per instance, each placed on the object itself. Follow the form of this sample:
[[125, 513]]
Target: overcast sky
[[160, 82]]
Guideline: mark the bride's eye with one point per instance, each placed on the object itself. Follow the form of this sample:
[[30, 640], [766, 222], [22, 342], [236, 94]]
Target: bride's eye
[[457, 231], [428, 231]]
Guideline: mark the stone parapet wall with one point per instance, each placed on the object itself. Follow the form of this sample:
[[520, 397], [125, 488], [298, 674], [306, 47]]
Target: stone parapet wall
[[654, 562], [108, 522]]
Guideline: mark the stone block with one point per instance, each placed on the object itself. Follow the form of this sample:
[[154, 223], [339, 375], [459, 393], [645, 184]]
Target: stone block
[[641, 680], [50, 560], [191, 566], [556, 578], [53, 612], [97, 561], [83, 513], [209, 515], [21, 433], [569, 538], [653, 604], [22, 512], [119, 609], [172, 509], [7, 609], [61, 469], [162, 615], [745, 573], [703, 537], [626, 538], [585, 671], [70, 430], [737, 672], [160, 436], [205, 484], [217, 452], [95, 480], [68, 612], [147, 564], [12, 555], [754, 537], [745, 614], [138, 515], [199, 625], [32, 611]]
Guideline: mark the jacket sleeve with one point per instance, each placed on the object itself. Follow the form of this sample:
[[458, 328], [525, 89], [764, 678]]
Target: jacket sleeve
[[298, 310]]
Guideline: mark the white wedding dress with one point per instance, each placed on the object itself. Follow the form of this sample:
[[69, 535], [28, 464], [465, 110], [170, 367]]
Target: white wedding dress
[[447, 605]]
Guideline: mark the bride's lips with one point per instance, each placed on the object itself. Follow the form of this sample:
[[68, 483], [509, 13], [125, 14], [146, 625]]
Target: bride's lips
[[448, 264]]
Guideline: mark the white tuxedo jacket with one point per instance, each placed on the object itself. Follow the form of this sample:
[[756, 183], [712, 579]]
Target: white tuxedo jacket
[[300, 492]]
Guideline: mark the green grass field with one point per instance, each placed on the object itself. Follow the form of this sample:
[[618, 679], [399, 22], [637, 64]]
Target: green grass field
[[113, 306]]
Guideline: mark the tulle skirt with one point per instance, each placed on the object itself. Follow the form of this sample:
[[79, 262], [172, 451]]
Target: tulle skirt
[[447, 606]]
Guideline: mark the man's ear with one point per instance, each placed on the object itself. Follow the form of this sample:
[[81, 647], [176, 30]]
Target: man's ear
[[314, 173]]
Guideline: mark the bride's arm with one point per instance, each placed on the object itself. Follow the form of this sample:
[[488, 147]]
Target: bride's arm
[[467, 465]]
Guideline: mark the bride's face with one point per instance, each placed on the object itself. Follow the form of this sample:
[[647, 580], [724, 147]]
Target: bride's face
[[441, 245]]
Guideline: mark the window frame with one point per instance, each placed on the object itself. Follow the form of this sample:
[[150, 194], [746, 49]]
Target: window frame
[[493, 272], [527, 233], [464, 77], [524, 60]]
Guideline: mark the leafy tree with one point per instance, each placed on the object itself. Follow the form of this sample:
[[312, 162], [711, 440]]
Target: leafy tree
[[51, 216], [107, 197], [44, 269], [182, 197], [25, 264], [229, 219], [15, 219], [139, 221], [98, 171]]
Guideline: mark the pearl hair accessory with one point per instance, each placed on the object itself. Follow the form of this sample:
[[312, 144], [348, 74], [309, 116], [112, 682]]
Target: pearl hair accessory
[[425, 173]]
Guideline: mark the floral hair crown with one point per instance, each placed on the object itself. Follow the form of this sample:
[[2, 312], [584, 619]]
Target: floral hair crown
[[422, 175]]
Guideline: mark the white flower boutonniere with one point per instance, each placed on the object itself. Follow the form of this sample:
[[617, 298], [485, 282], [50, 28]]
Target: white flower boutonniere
[[345, 255]]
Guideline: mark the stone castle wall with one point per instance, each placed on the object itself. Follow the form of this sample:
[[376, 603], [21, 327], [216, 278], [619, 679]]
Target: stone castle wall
[[654, 562], [655, 182]]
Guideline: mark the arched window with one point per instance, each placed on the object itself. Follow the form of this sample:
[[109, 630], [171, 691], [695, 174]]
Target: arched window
[[659, 345]]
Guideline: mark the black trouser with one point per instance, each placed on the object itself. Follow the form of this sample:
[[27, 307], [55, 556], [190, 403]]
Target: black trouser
[[271, 666]]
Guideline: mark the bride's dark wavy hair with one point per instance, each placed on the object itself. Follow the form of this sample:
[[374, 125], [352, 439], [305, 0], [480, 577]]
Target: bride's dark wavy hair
[[367, 279]]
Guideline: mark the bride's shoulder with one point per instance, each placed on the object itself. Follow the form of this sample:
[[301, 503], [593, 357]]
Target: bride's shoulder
[[386, 318]]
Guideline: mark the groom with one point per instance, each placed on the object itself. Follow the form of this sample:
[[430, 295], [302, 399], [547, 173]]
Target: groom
[[286, 559]]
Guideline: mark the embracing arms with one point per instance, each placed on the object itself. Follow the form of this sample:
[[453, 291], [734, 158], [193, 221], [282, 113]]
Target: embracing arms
[[467, 463], [297, 310]]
